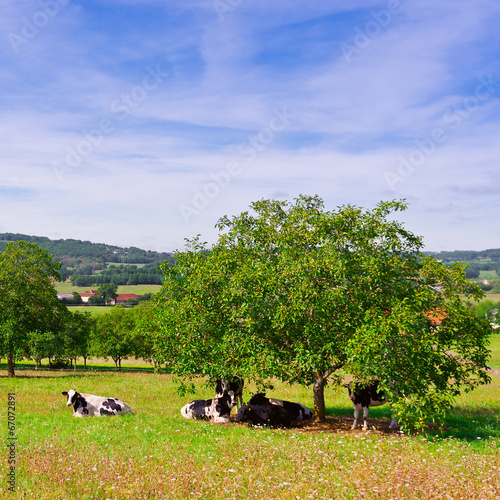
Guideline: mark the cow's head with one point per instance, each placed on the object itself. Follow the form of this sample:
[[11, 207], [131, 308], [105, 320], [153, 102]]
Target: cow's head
[[229, 398], [243, 413], [72, 395], [350, 389]]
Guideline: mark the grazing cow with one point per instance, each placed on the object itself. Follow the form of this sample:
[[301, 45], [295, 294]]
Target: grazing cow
[[88, 405], [235, 386], [217, 410], [363, 396], [297, 410]]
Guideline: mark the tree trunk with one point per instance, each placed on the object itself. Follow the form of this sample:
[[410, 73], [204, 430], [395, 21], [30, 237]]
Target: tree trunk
[[75, 365], [10, 366], [85, 362], [319, 397]]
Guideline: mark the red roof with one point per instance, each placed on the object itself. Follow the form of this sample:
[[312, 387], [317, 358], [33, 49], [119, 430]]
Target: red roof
[[123, 297], [437, 316]]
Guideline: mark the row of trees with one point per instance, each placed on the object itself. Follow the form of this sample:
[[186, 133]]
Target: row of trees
[[109, 335], [121, 275]]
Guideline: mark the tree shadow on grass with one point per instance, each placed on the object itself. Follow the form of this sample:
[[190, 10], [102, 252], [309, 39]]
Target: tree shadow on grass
[[471, 424], [48, 375], [70, 372]]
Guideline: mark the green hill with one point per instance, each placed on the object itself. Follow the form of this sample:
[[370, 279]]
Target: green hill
[[89, 264]]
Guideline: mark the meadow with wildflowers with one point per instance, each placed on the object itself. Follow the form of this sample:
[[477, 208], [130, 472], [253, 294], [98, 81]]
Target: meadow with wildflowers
[[155, 453]]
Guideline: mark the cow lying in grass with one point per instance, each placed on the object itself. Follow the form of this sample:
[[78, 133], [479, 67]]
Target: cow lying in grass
[[88, 405], [297, 410], [363, 396], [217, 410], [272, 412]]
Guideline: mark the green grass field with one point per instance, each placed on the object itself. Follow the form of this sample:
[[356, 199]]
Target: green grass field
[[155, 453], [488, 275]]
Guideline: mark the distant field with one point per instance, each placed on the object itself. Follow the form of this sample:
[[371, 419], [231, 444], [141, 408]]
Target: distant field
[[116, 264], [495, 352], [91, 309], [488, 275], [137, 289], [495, 297]]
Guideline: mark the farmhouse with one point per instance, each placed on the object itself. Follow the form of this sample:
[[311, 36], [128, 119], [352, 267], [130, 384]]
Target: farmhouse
[[68, 296], [122, 298], [86, 295]]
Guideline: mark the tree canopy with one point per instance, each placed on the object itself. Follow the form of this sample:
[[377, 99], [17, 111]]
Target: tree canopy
[[293, 291]]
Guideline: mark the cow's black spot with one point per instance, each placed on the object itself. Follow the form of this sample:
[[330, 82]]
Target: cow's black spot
[[102, 411], [112, 404], [79, 402]]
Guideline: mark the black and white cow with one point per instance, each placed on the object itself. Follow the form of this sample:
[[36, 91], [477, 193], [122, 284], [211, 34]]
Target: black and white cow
[[88, 405], [363, 396], [272, 412], [217, 410], [298, 410], [265, 414], [235, 386]]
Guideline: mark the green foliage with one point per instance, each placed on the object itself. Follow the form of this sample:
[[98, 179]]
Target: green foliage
[[108, 291], [76, 337], [114, 335]]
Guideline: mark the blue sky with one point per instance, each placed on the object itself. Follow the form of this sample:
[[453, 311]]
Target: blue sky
[[142, 122]]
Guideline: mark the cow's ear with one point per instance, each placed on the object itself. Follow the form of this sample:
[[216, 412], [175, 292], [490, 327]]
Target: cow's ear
[[64, 393]]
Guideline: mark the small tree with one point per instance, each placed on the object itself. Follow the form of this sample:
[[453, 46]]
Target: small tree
[[42, 345], [108, 292], [144, 326], [76, 336], [113, 335]]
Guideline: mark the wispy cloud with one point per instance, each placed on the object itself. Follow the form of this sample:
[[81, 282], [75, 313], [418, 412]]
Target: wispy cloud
[[81, 84]]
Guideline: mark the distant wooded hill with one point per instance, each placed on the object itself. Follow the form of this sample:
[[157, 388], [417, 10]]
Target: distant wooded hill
[[89, 264], [484, 260]]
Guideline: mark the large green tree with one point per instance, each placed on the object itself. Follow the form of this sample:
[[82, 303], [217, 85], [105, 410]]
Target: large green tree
[[293, 291], [28, 298]]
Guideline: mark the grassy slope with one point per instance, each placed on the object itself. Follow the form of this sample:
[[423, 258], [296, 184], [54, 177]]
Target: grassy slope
[[155, 452]]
